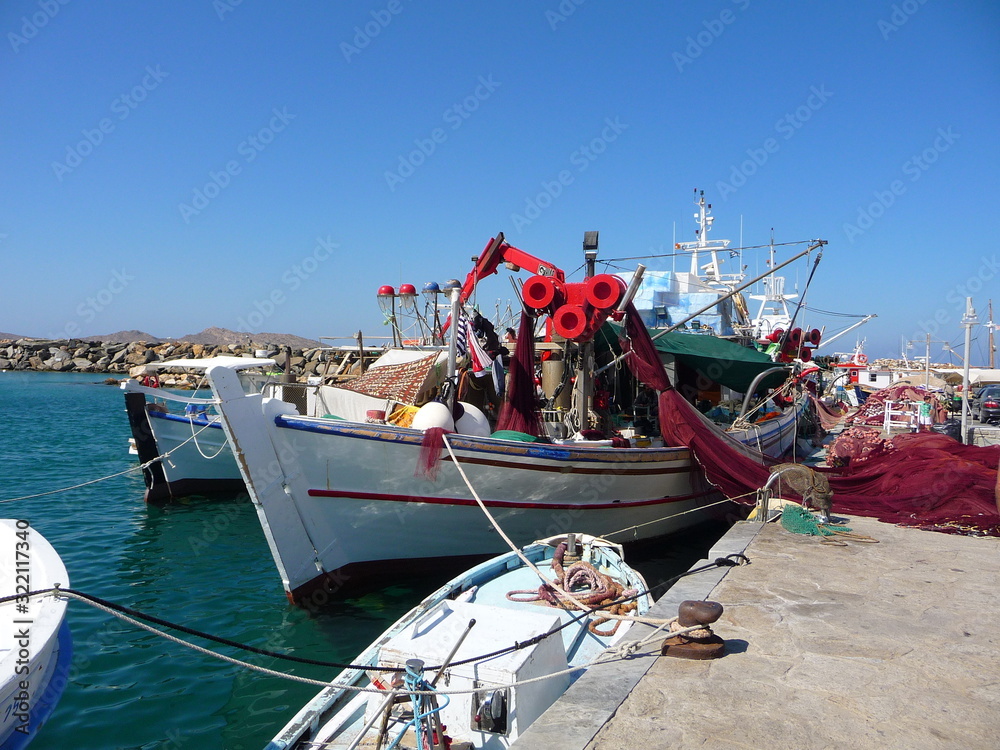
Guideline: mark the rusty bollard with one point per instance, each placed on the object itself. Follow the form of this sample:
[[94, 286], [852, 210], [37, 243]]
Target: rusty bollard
[[698, 644]]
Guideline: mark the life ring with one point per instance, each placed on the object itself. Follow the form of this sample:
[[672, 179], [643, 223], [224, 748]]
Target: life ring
[[862, 359]]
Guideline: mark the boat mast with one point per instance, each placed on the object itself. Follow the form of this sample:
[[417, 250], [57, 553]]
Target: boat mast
[[585, 366]]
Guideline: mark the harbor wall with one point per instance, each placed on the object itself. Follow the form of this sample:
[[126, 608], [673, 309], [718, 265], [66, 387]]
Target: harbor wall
[[74, 355]]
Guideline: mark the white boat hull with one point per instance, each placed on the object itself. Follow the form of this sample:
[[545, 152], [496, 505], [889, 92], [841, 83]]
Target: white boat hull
[[338, 500], [36, 650]]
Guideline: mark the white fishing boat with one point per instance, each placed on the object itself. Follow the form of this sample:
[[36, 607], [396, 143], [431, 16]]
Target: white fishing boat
[[186, 428], [451, 641], [36, 649], [342, 497]]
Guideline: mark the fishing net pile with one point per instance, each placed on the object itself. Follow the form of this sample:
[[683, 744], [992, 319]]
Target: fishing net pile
[[925, 480], [857, 444], [872, 411]]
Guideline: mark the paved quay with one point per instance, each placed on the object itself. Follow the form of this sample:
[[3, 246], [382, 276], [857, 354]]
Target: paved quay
[[887, 645]]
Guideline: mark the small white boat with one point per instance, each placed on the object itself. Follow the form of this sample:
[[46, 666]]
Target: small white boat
[[440, 631], [185, 426], [36, 649]]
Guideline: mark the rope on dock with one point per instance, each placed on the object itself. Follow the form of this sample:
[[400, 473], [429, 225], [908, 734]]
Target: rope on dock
[[122, 613], [133, 469]]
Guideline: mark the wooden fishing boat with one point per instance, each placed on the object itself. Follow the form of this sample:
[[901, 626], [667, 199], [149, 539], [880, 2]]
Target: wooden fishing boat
[[340, 497], [451, 641], [186, 428]]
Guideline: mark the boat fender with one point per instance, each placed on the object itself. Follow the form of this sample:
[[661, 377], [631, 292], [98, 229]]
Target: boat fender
[[433, 414], [472, 422], [273, 407]]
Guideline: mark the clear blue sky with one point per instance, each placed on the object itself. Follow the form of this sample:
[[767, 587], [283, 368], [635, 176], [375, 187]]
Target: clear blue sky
[[168, 166]]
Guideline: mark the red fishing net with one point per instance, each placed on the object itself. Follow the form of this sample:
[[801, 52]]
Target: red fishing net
[[829, 416], [925, 480], [856, 444], [872, 411], [520, 409]]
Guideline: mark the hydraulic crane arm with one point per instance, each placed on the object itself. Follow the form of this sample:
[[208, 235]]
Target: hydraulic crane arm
[[498, 251]]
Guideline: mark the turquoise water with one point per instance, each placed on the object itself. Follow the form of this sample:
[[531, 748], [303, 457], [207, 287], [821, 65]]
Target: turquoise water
[[203, 563]]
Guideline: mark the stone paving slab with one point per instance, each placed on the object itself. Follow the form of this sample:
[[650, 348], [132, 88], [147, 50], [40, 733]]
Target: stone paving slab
[[888, 645]]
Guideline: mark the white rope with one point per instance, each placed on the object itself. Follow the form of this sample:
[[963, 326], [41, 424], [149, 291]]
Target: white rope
[[632, 617], [675, 515], [222, 447], [140, 467]]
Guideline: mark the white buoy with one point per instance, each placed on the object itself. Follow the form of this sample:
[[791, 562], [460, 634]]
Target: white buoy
[[433, 414], [472, 422]]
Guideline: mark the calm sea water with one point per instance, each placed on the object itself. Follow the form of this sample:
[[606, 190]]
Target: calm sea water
[[203, 563]]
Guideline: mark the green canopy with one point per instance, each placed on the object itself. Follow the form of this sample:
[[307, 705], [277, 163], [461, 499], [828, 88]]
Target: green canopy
[[719, 360]]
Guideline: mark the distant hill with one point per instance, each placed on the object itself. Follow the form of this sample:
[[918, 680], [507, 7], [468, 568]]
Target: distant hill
[[210, 337], [219, 336], [127, 337]]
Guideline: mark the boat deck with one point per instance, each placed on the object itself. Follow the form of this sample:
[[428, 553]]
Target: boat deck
[[887, 645]]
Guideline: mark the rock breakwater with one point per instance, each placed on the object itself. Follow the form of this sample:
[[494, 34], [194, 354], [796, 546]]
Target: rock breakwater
[[75, 355]]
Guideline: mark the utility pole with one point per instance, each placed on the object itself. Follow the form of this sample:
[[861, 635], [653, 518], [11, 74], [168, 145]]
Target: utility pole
[[991, 327], [927, 364], [968, 321]]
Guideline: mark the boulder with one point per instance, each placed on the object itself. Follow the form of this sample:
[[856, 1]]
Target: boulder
[[6, 364]]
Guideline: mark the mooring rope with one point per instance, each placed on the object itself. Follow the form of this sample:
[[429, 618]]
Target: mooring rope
[[631, 617], [120, 612], [131, 470]]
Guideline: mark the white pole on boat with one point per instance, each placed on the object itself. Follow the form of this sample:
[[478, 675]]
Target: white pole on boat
[[633, 286], [968, 321], [454, 650], [456, 306]]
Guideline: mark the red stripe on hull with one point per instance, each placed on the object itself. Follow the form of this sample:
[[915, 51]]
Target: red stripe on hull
[[461, 501]]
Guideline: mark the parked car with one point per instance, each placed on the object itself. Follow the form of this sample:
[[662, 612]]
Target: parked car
[[985, 404]]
